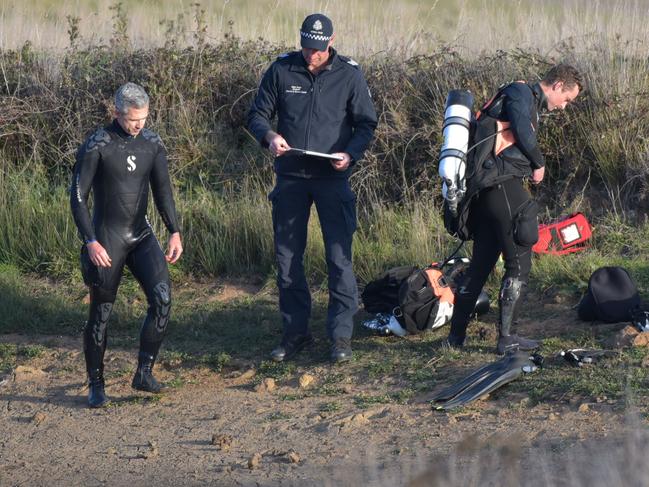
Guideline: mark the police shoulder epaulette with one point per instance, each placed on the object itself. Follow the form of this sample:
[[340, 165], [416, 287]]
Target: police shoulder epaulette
[[350, 61], [151, 136], [284, 55], [97, 140]]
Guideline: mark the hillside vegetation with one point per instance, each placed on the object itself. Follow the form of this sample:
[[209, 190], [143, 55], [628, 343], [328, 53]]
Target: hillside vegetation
[[50, 100]]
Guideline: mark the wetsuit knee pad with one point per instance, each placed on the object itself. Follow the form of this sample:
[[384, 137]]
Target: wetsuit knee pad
[[511, 289], [162, 295], [96, 325], [157, 318]]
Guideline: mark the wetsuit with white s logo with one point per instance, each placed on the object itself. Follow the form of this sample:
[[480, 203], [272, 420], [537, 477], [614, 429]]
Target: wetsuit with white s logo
[[119, 169]]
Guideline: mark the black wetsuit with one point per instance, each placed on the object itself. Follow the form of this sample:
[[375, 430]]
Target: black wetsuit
[[119, 168], [497, 209]]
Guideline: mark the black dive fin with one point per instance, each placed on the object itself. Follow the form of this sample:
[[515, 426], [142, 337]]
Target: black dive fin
[[475, 377], [510, 368], [493, 382]]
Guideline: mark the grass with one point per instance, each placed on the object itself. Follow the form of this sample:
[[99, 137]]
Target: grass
[[278, 416], [11, 354], [275, 370], [175, 383], [330, 407], [7, 356], [362, 27], [384, 370], [227, 233], [365, 401], [30, 351], [595, 161], [222, 178]]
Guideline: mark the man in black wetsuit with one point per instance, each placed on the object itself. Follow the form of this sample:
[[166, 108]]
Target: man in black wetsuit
[[118, 162], [503, 215]]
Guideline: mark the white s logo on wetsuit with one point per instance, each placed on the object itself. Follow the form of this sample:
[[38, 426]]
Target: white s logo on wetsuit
[[130, 160]]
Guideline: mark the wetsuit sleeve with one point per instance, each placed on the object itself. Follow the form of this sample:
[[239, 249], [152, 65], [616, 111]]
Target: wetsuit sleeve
[[517, 109], [84, 172], [162, 193], [360, 108], [264, 107]]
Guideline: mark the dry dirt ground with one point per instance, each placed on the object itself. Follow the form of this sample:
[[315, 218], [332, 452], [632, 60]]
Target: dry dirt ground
[[233, 428]]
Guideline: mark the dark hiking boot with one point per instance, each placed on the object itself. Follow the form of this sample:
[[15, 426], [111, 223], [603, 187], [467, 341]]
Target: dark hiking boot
[[341, 350]]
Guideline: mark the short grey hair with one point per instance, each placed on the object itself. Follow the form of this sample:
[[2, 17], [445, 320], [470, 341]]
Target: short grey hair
[[130, 95]]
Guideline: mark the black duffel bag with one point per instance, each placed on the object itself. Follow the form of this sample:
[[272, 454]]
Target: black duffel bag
[[382, 294]]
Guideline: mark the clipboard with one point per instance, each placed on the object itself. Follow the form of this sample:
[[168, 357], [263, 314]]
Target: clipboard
[[303, 152]]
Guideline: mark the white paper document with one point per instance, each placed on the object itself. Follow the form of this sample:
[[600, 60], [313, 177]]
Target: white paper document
[[302, 152]]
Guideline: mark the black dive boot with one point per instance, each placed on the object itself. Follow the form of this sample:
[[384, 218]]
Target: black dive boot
[[95, 339], [511, 294], [464, 304], [143, 379], [454, 341], [96, 394]]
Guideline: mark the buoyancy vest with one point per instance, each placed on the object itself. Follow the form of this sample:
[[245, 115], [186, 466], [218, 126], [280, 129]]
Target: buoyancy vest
[[490, 136], [504, 137]]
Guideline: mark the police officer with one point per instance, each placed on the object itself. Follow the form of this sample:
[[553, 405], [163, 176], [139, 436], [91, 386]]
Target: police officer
[[322, 104], [117, 163], [503, 216]]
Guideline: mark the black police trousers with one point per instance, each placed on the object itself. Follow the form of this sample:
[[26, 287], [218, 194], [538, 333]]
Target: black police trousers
[[335, 203], [494, 216], [147, 263]]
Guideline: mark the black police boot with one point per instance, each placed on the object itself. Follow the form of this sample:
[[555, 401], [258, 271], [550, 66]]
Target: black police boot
[[290, 346], [341, 350], [143, 379], [96, 394], [511, 294]]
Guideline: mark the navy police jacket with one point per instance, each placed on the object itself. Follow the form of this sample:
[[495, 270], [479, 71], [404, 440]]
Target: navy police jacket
[[520, 106], [329, 112]]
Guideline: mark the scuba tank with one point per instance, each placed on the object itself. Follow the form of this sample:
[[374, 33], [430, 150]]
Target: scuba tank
[[452, 160]]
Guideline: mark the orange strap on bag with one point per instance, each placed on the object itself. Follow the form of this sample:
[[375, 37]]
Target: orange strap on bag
[[437, 281]]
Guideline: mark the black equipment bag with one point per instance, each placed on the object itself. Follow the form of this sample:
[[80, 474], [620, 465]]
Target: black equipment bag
[[382, 295], [611, 297], [420, 298]]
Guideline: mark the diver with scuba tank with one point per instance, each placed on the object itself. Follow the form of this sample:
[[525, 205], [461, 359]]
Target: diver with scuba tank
[[485, 195]]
